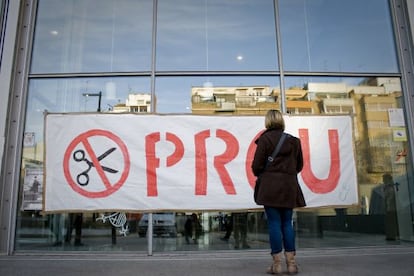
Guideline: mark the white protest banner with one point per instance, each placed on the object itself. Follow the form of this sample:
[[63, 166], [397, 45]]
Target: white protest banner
[[131, 162]]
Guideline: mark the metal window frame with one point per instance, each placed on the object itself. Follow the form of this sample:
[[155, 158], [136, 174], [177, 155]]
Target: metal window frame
[[15, 124], [18, 94], [405, 51]]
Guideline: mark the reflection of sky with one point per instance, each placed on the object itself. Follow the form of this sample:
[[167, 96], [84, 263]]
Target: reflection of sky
[[317, 35], [210, 34], [92, 36], [337, 35], [65, 95]]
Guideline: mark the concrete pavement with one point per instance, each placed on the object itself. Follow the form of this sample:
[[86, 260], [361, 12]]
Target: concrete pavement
[[386, 260]]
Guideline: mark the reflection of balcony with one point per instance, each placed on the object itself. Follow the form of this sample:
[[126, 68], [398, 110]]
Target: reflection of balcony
[[303, 107], [266, 105], [339, 106], [238, 101], [234, 100], [137, 103], [245, 101], [225, 106], [244, 106]]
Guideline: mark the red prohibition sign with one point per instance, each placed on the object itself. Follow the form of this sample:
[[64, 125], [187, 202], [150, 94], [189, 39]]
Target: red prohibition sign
[[82, 139]]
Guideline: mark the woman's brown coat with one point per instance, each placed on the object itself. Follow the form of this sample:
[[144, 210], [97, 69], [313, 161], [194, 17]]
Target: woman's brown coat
[[279, 182]]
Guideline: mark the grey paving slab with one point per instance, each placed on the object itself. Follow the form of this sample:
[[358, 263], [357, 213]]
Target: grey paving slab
[[393, 260]]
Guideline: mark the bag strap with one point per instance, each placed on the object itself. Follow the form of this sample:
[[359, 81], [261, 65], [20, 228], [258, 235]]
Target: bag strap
[[276, 150]]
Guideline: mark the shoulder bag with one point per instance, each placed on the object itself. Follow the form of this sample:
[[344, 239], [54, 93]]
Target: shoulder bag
[[269, 160]]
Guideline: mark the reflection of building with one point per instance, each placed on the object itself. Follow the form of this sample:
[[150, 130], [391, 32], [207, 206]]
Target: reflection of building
[[369, 105], [138, 103], [375, 126], [235, 100], [297, 102]]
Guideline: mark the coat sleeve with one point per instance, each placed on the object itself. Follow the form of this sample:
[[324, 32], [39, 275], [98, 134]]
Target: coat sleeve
[[260, 157], [299, 157]]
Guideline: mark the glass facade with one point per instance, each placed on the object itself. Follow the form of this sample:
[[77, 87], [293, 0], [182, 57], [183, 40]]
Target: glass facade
[[92, 36], [216, 36], [221, 58], [332, 36]]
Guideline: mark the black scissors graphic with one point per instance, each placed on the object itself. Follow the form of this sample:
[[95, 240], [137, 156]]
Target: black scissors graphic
[[83, 177]]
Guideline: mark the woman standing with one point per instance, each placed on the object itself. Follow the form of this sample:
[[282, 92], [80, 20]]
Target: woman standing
[[279, 190]]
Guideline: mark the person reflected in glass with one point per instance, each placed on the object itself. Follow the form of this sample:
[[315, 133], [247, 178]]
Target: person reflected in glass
[[237, 223], [74, 221], [240, 230], [57, 226], [279, 190], [192, 228], [35, 185], [228, 227], [390, 208]]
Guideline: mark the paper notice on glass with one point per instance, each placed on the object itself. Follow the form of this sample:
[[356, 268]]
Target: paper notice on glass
[[29, 139], [33, 189], [396, 117], [399, 134]]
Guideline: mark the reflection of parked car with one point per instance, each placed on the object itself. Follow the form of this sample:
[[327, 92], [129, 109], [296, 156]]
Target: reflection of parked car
[[163, 223]]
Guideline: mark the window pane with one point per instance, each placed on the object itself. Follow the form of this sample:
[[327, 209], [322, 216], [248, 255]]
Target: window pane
[[105, 36], [37, 231], [82, 95], [92, 36], [380, 143], [336, 35], [217, 95], [216, 35]]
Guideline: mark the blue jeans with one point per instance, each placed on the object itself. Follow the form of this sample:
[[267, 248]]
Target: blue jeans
[[281, 233]]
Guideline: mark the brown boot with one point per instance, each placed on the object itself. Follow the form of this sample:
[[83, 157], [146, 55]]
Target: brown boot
[[292, 267], [276, 267]]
